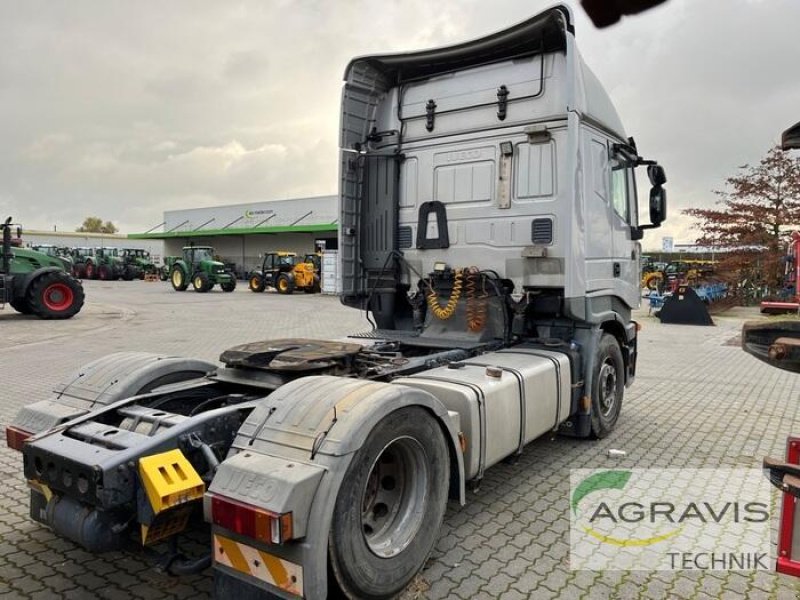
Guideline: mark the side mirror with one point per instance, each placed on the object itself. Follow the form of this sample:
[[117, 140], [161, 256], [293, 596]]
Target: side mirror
[[657, 175], [790, 140], [658, 205]]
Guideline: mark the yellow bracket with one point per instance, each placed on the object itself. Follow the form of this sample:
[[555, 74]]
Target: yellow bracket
[[170, 480]]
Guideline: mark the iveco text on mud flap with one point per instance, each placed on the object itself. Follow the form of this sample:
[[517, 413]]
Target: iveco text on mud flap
[[489, 226]]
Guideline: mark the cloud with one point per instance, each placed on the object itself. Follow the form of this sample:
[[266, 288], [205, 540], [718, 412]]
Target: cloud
[[127, 110]]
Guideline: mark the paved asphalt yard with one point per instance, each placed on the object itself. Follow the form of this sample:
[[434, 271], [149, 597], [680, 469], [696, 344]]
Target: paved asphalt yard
[[699, 401]]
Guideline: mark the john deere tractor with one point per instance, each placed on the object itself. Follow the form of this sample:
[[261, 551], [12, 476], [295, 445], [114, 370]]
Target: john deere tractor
[[199, 266], [34, 283], [284, 272]]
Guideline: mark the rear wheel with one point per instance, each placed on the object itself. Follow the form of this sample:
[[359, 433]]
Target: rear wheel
[[79, 271], [55, 295], [179, 280], [390, 506], [21, 306], [129, 273], [91, 271], [256, 283], [201, 283], [608, 386], [284, 284], [104, 273]]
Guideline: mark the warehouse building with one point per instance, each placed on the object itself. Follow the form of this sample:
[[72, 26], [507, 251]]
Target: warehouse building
[[242, 233]]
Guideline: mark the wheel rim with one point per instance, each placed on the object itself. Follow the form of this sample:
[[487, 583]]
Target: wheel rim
[[394, 498], [198, 283], [283, 285], [608, 387], [177, 278], [58, 296], [254, 283]]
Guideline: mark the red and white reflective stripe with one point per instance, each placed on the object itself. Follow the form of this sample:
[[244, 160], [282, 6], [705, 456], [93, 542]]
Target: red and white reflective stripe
[[276, 571]]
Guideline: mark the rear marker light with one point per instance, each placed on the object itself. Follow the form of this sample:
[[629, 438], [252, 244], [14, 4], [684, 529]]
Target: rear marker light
[[252, 522], [15, 438]]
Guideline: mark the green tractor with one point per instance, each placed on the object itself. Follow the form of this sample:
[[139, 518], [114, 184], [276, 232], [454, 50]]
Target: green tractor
[[60, 252], [84, 262], [165, 269], [110, 265], [139, 260], [199, 266], [34, 283]]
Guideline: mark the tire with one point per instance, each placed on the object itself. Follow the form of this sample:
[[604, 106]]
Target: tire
[[80, 271], [381, 536], [21, 306], [229, 286], [90, 271], [55, 295], [256, 283], [104, 273], [608, 386], [284, 284], [201, 283], [163, 275], [178, 279], [129, 273]]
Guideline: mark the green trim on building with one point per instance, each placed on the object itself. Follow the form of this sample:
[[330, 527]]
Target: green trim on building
[[161, 235]]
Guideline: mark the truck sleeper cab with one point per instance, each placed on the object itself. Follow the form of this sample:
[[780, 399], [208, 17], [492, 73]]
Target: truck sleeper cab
[[489, 226]]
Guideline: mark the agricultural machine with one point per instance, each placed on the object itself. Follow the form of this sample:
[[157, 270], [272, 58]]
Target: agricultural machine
[[138, 261], [198, 266], [778, 344], [286, 273], [60, 252], [84, 262], [684, 291], [35, 283], [500, 278], [790, 297]]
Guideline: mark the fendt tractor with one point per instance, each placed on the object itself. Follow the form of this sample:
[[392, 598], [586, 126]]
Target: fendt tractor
[[84, 262], [60, 252], [138, 262], [35, 283], [285, 272], [488, 226], [110, 265], [198, 266]]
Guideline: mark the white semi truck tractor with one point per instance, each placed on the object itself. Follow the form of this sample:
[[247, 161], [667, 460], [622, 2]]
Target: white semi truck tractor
[[489, 227]]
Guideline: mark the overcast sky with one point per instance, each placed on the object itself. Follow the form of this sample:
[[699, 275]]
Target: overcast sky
[[126, 109]]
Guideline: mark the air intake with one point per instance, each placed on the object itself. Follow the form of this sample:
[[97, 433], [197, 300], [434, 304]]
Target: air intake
[[405, 237], [542, 231]]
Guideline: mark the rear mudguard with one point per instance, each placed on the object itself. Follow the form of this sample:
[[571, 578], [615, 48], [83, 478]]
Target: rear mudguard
[[23, 282], [314, 424], [107, 380]]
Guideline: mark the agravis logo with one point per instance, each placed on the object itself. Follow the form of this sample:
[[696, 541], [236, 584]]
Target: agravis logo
[[644, 518], [610, 480]]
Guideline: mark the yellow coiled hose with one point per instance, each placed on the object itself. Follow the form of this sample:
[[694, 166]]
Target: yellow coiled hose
[[449, 309]]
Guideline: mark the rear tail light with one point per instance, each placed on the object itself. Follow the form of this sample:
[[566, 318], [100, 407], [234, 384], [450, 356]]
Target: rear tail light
[[252, 522], [15, 438]]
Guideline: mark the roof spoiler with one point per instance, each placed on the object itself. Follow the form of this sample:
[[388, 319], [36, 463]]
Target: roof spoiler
[[545, 32]]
